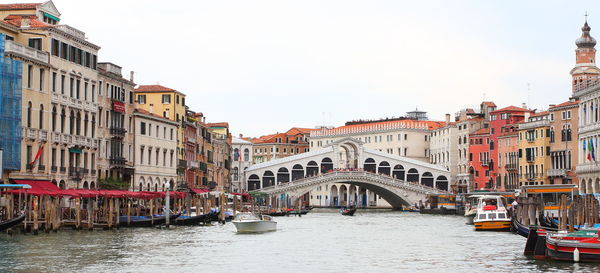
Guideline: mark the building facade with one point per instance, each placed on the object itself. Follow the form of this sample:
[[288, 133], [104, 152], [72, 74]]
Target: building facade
[[241, 159], [280, 145], [155, 152], [534, 149], [114, 125], [564, 127]]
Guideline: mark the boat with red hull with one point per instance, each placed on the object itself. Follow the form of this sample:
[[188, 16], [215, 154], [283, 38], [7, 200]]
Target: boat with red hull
[[563, 246]]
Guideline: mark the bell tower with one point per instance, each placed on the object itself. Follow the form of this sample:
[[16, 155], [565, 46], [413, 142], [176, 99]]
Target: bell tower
[[585, 59]]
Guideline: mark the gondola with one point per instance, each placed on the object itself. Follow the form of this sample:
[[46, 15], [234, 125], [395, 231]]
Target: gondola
[[12, 222], [146, 221], [278, 213], [184, 220], [348, 211], [520, 228], [301, 212]]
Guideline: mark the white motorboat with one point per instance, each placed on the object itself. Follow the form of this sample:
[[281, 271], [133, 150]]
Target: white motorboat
[[251, 223]]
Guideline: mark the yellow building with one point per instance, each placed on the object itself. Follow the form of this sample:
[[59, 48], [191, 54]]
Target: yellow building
[[534, 150], [59, 103], [168, 103]]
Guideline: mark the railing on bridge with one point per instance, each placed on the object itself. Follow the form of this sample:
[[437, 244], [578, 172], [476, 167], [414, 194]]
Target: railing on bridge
[[332, 176]]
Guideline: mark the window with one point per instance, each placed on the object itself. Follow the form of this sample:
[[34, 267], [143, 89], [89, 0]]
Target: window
[[142, 155], [166, 99], [35, 43], [142, 128], [405, 136], [29, 75], [41, 117], [171, 134], [142, 99], [78, 88]]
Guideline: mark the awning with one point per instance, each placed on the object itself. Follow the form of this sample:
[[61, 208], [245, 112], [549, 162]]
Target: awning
[[38, 187], [200, 191]]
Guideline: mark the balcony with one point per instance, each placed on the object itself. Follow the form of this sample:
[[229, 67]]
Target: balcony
[[119, 132], [193, 164], [117, 161], [28, 167], [530, 176], [534, 124], [41, 168], [181, 164], [13, 48], [75, 172], [53, 169], [93, 172], [62, 169], [56, 137], [485, 163], [557, 172]]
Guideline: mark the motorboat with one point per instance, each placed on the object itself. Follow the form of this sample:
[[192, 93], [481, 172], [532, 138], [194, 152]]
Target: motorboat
[[471, 208], [492, 213], [254, 223]]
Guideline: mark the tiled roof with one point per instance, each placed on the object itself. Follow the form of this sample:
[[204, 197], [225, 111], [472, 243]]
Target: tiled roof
[[142, 111], [17, 20], [153, 88], [489, 103], [218, 124], [19, 6], [543, 113], [566, 103], [511, 109], [482, 131]]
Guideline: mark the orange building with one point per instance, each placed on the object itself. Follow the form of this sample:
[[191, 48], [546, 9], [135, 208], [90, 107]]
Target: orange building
[[279, 145]]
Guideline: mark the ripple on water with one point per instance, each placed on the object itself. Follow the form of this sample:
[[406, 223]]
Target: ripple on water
[[318, 242]]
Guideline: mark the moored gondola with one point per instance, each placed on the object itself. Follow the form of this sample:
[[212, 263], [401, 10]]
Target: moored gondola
[[146, 221], [12, 222], [185, 220]]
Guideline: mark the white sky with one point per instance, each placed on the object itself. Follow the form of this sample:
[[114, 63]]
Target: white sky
[[266, 66]]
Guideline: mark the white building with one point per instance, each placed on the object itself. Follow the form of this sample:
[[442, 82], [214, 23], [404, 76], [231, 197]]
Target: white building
[[241, 159], [155, 152], [443, 146], [402, 137]]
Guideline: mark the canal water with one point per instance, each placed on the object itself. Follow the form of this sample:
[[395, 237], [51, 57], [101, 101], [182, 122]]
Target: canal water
[[322, 241]]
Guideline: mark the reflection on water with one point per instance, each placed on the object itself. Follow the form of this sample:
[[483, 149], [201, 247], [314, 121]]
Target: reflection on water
[[322, 241]]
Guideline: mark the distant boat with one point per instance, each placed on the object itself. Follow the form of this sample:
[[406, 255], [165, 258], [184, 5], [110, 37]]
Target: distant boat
[[185, 220], [146, 221], [348, 211], [252, 223], [12, 222]]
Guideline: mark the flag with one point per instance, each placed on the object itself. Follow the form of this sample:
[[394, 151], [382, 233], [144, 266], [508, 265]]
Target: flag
[[37, 156], [590, 150]]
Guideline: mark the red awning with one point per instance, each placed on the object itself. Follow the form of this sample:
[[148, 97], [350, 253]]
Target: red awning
[[38, 187], [199, 191]]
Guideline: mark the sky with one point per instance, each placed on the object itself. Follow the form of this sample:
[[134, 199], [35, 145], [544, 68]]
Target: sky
[[267, 66]]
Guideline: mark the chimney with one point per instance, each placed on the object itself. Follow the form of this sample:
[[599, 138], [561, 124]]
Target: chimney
[[447, 118], [152, 108], [524, 106], [241, 135], [131, 76]]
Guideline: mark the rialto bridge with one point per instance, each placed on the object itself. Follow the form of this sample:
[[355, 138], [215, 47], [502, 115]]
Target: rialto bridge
[[399, 180]]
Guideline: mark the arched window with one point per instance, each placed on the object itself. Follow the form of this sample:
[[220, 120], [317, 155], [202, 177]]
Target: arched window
[[53, 118], [253, 182], [41, 117], [398, 172], [441, 182], [236, 154], [370, 165], [427, 179], [412, 175], [235, 173], [312, 168], [268, 179], [29, 114], [283, 175], [246, 155], [297, 172], [384, 168], [326, 165]]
